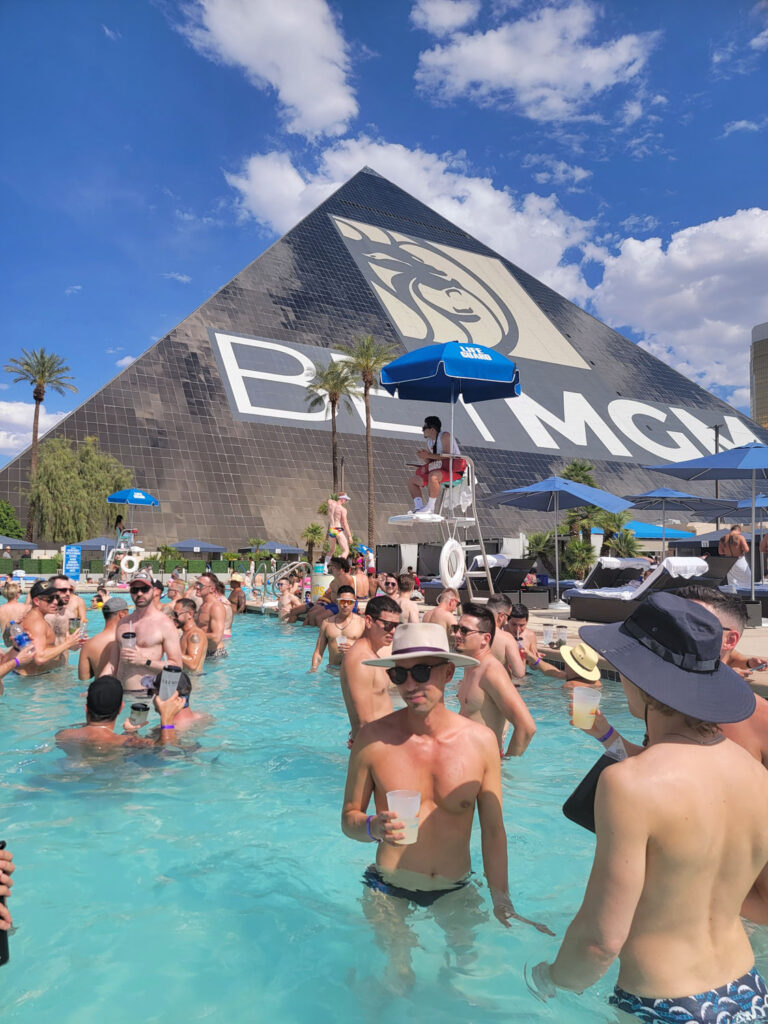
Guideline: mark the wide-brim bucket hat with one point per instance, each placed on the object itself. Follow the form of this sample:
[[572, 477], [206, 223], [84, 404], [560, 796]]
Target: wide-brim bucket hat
[[428, 640]]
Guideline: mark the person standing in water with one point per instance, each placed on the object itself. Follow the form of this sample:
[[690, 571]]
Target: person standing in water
[[681, 834]]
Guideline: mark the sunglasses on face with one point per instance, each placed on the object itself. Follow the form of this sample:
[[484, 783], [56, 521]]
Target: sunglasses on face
[[390, 583], [65, 590], [140, 590], [420, 673], [389, 627], [344, 602], [464, 630]]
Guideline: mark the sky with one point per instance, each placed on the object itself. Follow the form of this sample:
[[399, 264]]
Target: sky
[[616, 151]]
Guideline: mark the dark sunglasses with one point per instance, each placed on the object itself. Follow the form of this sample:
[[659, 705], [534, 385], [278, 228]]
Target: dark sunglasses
[[140, 590], [49, 597], [420, 673], [389, 627], [390, 583], [464, 631], [64, 590]]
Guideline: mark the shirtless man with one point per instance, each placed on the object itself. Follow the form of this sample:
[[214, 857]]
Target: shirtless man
[[517, 627], [156, 636], [366, 689], [186, 717], [444, 612], [93, 653], [338, 632], [98, 599], [50, 653], [74, 605], [454, 763], [326, 605], [338, 526], [289, 604], [669, 883], [102, 707], [13, 660], [486, 693], [408, 607], [13, 610], [236, 596], [210, 615], [750, 733], [193, 641], [229, 610], [504, 648], [157, 597], [175, 594], [734, 545]]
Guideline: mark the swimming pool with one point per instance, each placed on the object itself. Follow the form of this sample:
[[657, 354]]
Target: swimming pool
[[213, 883]]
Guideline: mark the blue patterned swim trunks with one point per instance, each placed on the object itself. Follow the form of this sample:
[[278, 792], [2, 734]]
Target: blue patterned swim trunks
[[738, 1002]]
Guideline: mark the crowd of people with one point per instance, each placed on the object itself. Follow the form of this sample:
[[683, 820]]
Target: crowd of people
[[681, 855]]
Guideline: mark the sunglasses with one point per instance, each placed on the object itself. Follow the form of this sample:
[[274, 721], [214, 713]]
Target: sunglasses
[[420, 673], [464, 631], [48, 598], [140, 590], [344, 602], [390, 583], [388, 627], [65, 590]]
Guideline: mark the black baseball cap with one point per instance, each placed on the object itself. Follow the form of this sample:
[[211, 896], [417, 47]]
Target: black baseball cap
[[42, 588], [105, 696]]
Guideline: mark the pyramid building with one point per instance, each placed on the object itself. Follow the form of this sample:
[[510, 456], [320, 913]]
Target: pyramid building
[[214, 421]]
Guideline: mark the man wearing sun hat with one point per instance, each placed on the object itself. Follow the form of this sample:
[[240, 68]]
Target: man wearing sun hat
[[682, 833], [451, 761], [581, 665]]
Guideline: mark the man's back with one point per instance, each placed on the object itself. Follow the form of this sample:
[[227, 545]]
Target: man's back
[[693, 869]]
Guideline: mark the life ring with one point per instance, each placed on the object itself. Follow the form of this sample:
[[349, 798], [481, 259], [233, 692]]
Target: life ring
[[452, 564], [129, 564]]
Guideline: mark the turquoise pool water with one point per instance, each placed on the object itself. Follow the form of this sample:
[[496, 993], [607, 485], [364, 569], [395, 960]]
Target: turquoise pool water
[[213, 883]]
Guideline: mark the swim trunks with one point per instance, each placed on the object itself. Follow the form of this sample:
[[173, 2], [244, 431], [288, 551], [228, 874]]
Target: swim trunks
[[738, 1002], [421, 897], [334, 531], [220, 652]]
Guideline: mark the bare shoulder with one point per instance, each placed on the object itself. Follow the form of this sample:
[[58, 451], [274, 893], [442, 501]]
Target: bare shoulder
[[383, 730]]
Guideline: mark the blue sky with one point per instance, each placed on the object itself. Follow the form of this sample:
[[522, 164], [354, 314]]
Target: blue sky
[[154, 148]]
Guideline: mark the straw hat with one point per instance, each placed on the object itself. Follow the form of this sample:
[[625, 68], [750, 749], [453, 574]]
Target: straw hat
[[427, 639], [583, 660]]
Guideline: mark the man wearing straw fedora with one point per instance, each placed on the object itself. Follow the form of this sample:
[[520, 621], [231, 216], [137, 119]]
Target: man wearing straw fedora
[[450, 764], [581, 666], [682, 834]]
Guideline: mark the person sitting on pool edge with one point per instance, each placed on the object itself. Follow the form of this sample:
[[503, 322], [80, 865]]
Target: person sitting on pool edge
[[454, 764], [681, 833], [103, 704]]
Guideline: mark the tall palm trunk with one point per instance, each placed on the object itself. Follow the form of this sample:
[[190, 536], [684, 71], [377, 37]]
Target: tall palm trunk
[[311, 552], [38, 394], [369, 451], [334, 448]]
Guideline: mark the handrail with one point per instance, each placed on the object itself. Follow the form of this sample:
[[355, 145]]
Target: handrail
[[473, 507], [271, 579]]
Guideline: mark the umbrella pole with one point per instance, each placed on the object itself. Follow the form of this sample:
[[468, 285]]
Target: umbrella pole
[[663, 530], [450, 453], [557, 552], [752, 549]]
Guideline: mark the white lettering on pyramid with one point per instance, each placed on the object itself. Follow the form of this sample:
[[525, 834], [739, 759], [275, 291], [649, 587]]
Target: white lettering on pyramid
[[267, 380]]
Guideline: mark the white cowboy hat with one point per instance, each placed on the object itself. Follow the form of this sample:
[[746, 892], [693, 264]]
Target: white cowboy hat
[[427, 639]]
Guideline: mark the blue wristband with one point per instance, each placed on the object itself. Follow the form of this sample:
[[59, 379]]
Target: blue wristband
[[602, 739], [368, 829]]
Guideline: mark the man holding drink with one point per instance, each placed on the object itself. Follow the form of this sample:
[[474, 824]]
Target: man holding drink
[[450, 763]]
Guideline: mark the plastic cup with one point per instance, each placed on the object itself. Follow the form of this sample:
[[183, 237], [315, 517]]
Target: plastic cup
[[562, 634], [139, 714], [586, 702], [406, 803], [128, 640], [548, 633]]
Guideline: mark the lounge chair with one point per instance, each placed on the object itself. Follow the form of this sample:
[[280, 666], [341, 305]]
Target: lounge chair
[[614, 604], [610, 572]]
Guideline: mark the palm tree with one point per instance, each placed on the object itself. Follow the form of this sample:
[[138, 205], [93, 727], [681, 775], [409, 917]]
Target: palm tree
[[314, 535], [541, 546], [611, 523], [580, 520], [624, 544], [333, 387], [367, 357], [42, 370], [580, 471], [578, 557], [255, 544]]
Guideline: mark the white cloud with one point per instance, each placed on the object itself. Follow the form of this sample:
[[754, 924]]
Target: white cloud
[[740, 126], [173, 276], [696, 300], [114, 351], [441, 17], [557, 172], [760, 41], [545, 64], [532, 230], [16, 424], [111, 33], [294, 47], [73, 289], [632, 111], [636, 222], [125, 361]]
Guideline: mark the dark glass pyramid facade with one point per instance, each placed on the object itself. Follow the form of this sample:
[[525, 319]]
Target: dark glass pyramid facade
[[214, 420]]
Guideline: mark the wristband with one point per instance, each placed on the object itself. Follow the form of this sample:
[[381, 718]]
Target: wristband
[[537, 661], [368, 820], [17, 663], [167, 726], [602, 739]]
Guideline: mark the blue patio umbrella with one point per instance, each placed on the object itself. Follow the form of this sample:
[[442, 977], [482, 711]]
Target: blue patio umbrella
[[274, 547], [745, 462], [553, 495], [132, 496], [665, 499], [14, 543], [449, 371], [201, 546]]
